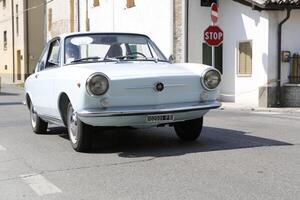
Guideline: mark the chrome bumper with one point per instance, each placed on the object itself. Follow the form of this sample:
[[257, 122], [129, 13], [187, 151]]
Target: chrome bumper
[[148, 110]]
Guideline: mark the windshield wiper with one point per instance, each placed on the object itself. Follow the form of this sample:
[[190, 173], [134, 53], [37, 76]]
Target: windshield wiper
[[95, 58], [134, 58]]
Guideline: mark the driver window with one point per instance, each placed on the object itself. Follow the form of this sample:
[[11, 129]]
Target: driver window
[[54, 54], [42, 60]]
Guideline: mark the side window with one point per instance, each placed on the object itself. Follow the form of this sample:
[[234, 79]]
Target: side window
[[53, 54], [42, 60]]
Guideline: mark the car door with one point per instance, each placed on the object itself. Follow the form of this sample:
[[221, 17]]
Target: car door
[[45, 79], [34, 85]]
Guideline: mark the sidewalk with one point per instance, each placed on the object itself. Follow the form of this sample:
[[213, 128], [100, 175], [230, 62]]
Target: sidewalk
[[240, 107], [11, 94]]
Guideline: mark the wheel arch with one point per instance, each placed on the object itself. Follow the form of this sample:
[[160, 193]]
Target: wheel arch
[[28, 100], [63, 102]]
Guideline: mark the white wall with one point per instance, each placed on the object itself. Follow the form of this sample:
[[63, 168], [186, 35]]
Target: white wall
[[241, 23], [151, 17], [290, 39]]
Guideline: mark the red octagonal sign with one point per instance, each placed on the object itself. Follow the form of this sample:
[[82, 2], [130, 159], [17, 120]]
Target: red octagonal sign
[[213, 36]]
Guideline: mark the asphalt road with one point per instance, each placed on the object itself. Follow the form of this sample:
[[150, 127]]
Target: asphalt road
[[241, 155]]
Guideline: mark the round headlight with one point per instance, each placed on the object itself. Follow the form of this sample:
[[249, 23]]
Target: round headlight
[[211, 79], [97, 84]]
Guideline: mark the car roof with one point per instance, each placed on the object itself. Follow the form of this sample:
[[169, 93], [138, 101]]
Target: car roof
[[102, 33]]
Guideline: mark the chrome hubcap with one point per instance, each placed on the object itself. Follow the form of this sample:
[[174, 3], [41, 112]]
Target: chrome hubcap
[[73, 129]]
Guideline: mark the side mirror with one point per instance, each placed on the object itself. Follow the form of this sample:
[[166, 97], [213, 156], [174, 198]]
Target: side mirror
[[171, 59]]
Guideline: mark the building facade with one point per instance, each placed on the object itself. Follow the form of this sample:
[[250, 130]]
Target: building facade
[[248, 57], [21, 38], [62, 17]]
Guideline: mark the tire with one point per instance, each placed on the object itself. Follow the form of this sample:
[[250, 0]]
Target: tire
[[189, 130], [79, 132], [38, 125]]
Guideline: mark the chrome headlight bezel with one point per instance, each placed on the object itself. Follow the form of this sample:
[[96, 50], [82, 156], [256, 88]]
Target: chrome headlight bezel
[[204, 76], [88, 84]]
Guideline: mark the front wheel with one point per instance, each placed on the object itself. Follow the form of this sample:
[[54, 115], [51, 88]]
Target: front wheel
[[189, 130], [79, 132]]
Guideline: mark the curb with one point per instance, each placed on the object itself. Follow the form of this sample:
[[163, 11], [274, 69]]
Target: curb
[[237, 107]]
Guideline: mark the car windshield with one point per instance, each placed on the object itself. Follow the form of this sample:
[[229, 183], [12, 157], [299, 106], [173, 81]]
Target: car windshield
[[111, 47]]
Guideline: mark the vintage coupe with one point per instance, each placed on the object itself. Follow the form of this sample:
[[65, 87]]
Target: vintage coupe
[[86, 80]]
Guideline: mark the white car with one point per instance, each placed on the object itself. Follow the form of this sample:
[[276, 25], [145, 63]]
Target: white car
[[86, 80]]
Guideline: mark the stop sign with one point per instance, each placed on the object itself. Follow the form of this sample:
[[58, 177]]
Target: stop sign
[[213, 36]]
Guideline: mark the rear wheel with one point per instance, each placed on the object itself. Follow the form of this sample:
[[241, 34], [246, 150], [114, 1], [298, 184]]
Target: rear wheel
[[189, 130], [79, 132], [38, 125]]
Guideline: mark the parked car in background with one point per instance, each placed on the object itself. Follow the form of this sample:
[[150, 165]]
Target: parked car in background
[[86, 80]]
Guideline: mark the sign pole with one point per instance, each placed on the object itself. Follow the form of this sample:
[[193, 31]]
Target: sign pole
[[213, 35], [213, 64], [214, 19]]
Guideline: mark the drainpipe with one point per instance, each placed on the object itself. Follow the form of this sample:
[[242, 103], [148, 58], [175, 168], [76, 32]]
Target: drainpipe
[[279, 57]]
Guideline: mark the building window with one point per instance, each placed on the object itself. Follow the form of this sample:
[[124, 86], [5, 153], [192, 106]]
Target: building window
[[130, 3], [5, 40], [17, 19], [245, 58], [4, 3], [207, 56], [96, 3], [5, 67], [49, 19]]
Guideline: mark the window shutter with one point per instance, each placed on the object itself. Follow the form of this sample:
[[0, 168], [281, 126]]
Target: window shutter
[[49, 19], [245, 58], [130, 3], [96, 3]]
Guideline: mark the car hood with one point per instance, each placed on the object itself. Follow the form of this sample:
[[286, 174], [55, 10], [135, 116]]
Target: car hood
[[126, 70]]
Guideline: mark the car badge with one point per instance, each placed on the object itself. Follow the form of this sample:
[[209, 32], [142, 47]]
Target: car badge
[[159, 87]]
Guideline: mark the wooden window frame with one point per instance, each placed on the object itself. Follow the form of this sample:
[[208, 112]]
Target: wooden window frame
[[50, 14], [5, 40], [238, 59], [130, 3], [96, 3], [17, 19]]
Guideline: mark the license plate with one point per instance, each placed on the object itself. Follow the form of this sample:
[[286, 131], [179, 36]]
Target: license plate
[[160, 118]]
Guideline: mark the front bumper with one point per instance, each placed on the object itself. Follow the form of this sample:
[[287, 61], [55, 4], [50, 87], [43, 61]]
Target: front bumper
[[136, 115]]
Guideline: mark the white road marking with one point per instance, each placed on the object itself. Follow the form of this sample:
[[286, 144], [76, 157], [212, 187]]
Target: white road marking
[[267, 113], [2, 148], [40, 184]]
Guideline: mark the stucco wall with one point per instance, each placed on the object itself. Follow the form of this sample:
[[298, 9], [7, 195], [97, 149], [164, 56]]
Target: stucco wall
[[7, 56], [151, 17], [246, 24], [290, 39]]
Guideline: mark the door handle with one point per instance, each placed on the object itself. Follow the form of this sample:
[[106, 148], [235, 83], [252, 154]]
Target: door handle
[[36, 76]]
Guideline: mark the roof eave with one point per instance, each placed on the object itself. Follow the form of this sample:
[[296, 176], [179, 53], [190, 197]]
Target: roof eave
[[260, 7]]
